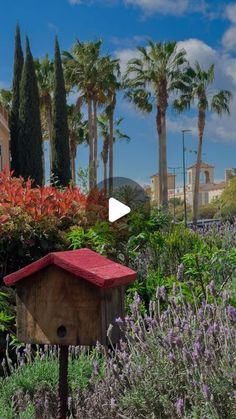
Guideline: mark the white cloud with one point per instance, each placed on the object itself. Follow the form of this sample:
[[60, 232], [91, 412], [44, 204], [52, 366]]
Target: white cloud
[[230, 12], [125, 55], [175, 7], [198, 51], [75, 2], [164, 7], [229, 39], [91, 2]]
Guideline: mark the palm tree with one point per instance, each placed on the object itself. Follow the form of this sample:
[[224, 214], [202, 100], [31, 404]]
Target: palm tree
[[197, 91], [83, 70], [152, 77], [78, 134], [111, 71], [104, 129], [44, 72]]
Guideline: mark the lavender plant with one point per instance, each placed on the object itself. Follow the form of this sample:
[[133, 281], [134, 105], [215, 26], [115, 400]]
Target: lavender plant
[[176, 363], [30, 383]]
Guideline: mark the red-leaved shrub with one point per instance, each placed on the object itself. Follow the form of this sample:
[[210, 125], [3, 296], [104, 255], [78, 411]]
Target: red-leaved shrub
[[38, 202], [34, 221]]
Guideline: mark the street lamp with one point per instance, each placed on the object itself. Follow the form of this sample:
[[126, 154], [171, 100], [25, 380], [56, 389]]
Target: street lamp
[[174, 171], [184, 175]]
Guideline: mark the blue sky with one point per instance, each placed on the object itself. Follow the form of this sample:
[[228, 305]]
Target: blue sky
[[206, 29]]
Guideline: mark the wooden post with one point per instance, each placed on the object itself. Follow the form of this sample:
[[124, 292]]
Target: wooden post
[[63, 382]]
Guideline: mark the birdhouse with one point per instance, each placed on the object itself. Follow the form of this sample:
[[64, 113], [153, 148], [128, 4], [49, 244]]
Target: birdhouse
[[70, 298]]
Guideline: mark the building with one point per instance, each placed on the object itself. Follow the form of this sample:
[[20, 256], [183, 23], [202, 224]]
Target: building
[[209, 190], [4, 140], [155, 187]]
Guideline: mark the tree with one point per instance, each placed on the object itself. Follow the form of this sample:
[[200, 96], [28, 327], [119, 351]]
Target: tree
[[45, 72], [197, 91], [14, 114], [60, 132], [227, 200], [84, 69], [111, 73], [6, 99], [104, 130], [78, 134], [30, 151], [153, 76]]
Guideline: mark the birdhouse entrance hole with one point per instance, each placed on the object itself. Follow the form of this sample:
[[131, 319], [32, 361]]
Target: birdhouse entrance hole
[[61, 331]]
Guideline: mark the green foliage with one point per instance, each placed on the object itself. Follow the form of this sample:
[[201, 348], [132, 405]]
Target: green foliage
[[5, 312], [30, 149], [26, 240], [207, 264], [14, 114], [156, 255], [176, 201], [6, 99], [228, 199], [36, 374], [207, 211], [99, 237], [140, 222], [83, 175], [60, 133]]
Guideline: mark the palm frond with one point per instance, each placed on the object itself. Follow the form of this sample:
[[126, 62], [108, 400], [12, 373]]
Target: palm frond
[[220, 102]]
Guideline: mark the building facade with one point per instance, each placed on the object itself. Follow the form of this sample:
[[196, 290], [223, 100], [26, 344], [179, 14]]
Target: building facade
[[4, 140], [209, 190], [155, 187]]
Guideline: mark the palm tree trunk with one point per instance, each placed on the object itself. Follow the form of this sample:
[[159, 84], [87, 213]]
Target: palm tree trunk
[[49, 124], [72, 145], [159, 130], [73, 174], [201, 126], [91, 151], [111, 136], [164, 162], [105, 175], [95, 136]]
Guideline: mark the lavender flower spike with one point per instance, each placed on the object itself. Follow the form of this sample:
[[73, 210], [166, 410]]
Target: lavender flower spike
[[179, 405]]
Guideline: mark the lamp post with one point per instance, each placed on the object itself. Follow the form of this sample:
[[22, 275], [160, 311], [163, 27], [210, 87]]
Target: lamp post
[[184, 175], [174, 171]]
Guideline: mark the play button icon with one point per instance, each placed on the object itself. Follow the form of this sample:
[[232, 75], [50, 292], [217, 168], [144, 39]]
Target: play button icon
[[117, 210], [105, 203]]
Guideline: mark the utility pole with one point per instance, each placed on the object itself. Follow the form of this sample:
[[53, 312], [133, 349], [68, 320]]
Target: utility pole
[[184, 175]]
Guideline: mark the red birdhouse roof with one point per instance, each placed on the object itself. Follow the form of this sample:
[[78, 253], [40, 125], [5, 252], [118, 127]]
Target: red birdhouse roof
[[83, 263]]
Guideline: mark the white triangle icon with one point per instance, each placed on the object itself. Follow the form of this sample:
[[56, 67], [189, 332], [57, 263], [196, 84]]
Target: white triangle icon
[[117, 210]]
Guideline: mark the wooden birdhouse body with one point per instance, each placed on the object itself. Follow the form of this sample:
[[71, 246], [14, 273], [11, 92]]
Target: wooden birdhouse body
[[70, 298]]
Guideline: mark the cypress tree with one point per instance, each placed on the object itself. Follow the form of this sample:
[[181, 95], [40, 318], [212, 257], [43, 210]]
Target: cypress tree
[[60, 132], [14, 114], [30, 134]]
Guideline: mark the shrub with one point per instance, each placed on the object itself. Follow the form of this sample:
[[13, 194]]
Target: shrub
[[31, 385], [176, 363], [207, 211], [33, 221], [100, 237]]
